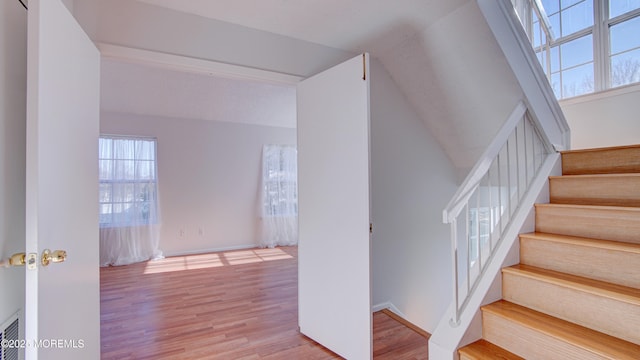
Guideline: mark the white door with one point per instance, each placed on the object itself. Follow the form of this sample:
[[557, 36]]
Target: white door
[[333, 196], [62, 310]]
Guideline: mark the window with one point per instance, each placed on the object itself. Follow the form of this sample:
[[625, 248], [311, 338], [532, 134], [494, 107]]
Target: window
[[128, 181], [280, 180], [279, 196], [625, 50], [585, 45]]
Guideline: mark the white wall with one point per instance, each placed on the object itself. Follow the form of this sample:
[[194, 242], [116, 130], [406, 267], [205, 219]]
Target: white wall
[[606, 119], [208, 177], [412, 181], [68, 3], [13, 83], [456, 77]]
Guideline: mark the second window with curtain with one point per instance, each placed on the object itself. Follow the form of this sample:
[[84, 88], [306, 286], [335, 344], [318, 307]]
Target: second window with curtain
[[279, 196]]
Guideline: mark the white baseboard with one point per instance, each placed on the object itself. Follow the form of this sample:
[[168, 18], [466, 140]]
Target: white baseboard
[[211, 250], [387, 305], [400, 317]]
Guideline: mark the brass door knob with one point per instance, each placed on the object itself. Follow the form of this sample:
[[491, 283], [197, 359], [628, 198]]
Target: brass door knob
[[17, 259], [56, 256]]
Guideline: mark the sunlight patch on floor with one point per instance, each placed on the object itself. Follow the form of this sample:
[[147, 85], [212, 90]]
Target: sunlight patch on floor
[[212, 260]]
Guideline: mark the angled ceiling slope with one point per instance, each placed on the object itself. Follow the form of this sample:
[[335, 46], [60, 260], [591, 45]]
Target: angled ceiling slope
[[352, 25]]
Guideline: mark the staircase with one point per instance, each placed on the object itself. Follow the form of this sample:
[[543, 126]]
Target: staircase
[[576, 292]]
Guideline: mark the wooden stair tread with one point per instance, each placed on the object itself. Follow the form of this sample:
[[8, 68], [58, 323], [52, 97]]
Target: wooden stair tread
[[600, 189], [484, 350], [629, 209], [576, 335], [601, 149], [600, 288], [619, 159], [582, 241], [597, 176]]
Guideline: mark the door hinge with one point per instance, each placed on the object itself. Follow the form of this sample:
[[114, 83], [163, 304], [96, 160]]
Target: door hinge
[[370, 228], [364, 67]]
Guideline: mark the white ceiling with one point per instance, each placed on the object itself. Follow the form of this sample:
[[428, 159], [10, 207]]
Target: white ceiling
[[147, 90], [354, 25]]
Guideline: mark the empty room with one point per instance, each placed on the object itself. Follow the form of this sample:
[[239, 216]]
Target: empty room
[[317, 179]]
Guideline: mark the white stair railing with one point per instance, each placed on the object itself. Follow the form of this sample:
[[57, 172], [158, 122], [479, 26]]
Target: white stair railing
[[494, 203], [545, 23], [482, 208]]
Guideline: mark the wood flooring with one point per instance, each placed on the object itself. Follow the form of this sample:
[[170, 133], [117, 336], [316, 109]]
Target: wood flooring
[[230, 305]]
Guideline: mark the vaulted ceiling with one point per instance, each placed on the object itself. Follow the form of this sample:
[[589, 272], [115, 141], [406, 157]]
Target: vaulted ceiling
[[352, 25], [441, 53]]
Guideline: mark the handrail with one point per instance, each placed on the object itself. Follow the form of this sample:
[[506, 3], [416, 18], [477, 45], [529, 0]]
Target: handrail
[[482, 165], [522, 59], [544, 19], [496, 201]]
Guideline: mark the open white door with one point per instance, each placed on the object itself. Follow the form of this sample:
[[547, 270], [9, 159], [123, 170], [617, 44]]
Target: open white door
[[62, 310], [333, 204]]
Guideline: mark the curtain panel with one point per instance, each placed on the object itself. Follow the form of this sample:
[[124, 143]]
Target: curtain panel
[[279, 196], [128, 200]]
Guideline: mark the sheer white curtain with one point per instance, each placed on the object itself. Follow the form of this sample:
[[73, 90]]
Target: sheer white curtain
[[129, 209], [279, 195]]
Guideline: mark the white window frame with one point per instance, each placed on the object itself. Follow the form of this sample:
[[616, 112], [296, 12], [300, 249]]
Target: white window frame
[[153, 219], [604, 37], [280, 178], [600, 35]]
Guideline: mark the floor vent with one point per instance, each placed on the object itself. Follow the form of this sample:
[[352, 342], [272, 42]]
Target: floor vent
[[9, 338]]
